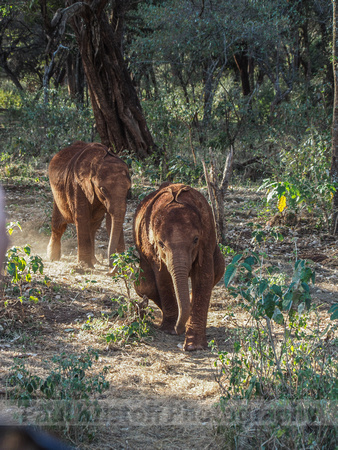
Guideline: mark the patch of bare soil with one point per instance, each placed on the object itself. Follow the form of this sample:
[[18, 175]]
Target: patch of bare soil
[[159, 396]]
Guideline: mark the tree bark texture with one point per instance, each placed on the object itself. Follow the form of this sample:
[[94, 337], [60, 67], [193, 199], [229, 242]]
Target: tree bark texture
[[242, 63], [118, 114], [334, 161], [75, 77]]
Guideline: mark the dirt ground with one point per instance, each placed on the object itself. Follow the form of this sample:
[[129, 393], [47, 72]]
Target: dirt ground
[[159, 396]]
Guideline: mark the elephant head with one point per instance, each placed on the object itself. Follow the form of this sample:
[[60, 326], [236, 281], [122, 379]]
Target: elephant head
[[104, 178]]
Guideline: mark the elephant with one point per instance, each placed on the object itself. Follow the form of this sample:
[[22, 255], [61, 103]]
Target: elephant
[[88, 181], [174, 234]]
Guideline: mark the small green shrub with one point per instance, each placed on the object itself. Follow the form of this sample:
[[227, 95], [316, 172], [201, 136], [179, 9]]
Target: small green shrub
[[40, 130], [20, 264], [65, 399], [278, 361], [135, 331], [176, 168], [226, 250], [303, 179], [126, 268], [262, 236], [136, 314]]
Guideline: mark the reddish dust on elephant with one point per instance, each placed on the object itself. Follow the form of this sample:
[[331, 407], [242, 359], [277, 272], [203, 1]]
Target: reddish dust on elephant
[[175, 236], [88, 182]]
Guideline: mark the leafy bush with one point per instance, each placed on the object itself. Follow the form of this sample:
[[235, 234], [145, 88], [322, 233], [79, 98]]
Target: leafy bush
[[64, 399], [175, 168], [19, 266], [226, 250], [136, 330], [42, 129], [305, 181], [126, 268], [278, 357], [137, 314]]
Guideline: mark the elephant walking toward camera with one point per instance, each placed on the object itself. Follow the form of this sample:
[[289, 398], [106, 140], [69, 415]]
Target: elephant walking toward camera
[[88, 182], [174, 233]]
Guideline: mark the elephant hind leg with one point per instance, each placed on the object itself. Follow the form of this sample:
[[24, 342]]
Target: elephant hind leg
[[59, 226]]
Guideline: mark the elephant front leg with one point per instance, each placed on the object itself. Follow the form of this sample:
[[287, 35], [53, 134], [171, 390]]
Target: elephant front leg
[[168, 300], [195, 334], [59, 226]]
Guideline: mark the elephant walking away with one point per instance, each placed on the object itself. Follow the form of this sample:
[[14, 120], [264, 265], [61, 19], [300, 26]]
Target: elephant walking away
[[87, 182], [174, 233]]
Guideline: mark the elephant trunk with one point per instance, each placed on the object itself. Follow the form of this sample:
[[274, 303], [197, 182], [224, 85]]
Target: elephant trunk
[[181, 286], [115, 234]]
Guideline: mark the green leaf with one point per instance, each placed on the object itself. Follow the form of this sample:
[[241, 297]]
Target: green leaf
[[263, 284], [250, 260], [334, 312], [278, 316], [27, 250], [269, 305], [237, 346], [277, 290], [259, 236], [246, 266], [229, 274], [236, 258], [281, 190]]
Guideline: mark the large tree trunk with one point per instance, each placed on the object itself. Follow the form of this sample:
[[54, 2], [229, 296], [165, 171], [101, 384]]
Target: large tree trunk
[[334, 162], [117, 110], [242, 62]]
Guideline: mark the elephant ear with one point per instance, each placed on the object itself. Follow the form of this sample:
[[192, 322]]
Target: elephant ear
[[83, 173], [153, 243]]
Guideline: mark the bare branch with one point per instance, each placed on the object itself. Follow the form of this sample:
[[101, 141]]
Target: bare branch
[[211, 194], [60, 19], [227, 171], [217, 193]]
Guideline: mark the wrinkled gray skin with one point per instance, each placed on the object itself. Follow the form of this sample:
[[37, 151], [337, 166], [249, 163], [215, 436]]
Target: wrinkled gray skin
[[175, 236], [87, 183]]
